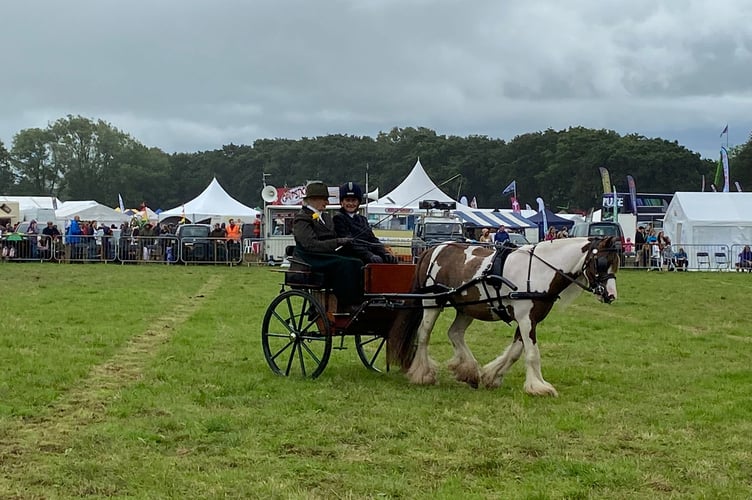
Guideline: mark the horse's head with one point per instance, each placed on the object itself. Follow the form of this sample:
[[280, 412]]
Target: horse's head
[[600, 267]]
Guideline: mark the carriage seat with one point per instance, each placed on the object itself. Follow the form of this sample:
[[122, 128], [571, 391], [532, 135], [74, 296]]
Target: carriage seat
[[299, 274]]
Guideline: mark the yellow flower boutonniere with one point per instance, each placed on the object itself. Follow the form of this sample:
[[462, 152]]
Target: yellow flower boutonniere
[[318, 217], [315, 216]]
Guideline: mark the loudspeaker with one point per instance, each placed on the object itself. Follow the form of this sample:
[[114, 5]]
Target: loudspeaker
[[269, 194], [373, 195]]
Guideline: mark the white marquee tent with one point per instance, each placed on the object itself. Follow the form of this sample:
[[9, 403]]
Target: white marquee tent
[[89, 210], [694, 218], [212, 203], [416, 187]]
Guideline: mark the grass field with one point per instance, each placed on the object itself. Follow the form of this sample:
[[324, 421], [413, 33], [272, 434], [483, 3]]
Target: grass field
[[149, 382]]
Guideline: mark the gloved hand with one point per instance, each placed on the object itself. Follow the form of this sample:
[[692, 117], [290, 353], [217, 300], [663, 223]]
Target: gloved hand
[[375, 259], [390, 259], [341, 242]]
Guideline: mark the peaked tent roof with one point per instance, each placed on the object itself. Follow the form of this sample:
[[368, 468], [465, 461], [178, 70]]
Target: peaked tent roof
[[89, 210], [417, 186], [32, 202], [551, 219], [212, 202]]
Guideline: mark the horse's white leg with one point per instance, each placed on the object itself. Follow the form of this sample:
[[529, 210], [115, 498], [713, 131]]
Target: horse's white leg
[[423, 368], [463, 363], [493, 372], [534, 383]]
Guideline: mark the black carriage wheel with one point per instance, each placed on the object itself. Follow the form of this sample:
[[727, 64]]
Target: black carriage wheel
[[295, 335], [372, 352]]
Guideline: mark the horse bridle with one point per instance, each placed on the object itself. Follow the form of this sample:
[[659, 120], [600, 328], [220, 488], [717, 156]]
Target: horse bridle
[[596, 280], [597, 283]]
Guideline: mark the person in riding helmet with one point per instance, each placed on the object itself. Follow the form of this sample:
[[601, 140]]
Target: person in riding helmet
[[348, 223], [317, 243]]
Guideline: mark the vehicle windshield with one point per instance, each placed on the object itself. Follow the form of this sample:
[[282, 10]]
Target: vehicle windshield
[[438, 230]]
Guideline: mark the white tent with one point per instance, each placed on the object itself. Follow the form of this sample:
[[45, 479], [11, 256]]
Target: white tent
[[33, 202], [694, 218], [417, 186], [213, 202], [89, 211]]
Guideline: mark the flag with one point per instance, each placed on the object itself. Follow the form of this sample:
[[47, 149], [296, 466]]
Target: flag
[[718, 173], [605, 180], [632, 193], [515, 205], [738, 186], [725, 130], [121, 204], [725, 163], [463, 200], [511, 188], [474, 203], [182, 215], [542, 210], [616, 206], [702, 188]]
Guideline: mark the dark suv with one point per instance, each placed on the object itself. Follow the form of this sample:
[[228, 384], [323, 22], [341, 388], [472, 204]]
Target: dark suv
[[599, 230], [194, 241]]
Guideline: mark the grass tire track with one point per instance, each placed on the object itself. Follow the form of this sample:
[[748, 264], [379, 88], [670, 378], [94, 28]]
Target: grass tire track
[[85, 402]]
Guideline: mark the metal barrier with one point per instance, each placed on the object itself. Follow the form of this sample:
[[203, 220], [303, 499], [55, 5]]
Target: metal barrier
[[26, 247], [147, 249], [209, 251]]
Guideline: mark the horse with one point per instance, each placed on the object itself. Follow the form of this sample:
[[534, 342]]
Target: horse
[[519, 284]]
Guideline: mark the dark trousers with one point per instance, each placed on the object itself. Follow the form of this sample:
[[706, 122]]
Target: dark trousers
[[344, 275]]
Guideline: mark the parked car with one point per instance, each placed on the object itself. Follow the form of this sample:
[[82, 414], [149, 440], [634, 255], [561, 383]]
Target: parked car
[[194, 242], [600, 230]]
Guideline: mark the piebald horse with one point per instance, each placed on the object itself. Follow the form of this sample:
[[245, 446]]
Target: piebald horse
[[482, 285]]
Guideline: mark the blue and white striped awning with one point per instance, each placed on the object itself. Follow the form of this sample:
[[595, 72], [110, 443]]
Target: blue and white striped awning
[[483, 218]]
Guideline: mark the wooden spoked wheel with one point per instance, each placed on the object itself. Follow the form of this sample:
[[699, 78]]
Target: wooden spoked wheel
[[295, 335]]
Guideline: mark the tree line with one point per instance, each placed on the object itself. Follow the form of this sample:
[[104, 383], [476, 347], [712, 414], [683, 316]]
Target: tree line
[[77, 158]]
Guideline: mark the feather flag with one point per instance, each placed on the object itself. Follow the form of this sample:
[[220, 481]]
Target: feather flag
[[474, 203], [725, 163], [511, 188], [632, 193], [121, 204], [542, 210], [605, 180], [182, 215], [738, 186], [725, 130]]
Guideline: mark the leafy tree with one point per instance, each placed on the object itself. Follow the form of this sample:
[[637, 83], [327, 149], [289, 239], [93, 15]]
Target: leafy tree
[[31, 158], [7, 176]]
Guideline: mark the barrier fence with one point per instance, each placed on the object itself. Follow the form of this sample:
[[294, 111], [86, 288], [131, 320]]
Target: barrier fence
[[170, 250], [130, 250]]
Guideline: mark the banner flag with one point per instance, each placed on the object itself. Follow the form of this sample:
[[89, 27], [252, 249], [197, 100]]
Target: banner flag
[[182, 215], [738, 186], [120, 204], [463, 200], [542, 210], [725, 130], [702, 187], [616, 206], [718, 173], [725, 163], [712, 188], [474, 203], [515, 205], [632, 193], [605, 180], [511, 188]]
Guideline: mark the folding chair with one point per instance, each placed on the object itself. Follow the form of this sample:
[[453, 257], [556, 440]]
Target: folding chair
[[721, 261], [703, 259]]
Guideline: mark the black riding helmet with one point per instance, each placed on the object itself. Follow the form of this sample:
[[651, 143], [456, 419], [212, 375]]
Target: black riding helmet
[[350, 190]]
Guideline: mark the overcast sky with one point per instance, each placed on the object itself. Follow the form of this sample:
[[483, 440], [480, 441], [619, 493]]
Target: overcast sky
[[189, 75]]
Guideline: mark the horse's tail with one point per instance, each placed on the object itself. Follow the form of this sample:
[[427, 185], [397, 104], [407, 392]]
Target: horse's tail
[[401, 341]]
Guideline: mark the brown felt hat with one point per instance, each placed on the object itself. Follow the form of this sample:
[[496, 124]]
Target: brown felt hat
[[317, 189]]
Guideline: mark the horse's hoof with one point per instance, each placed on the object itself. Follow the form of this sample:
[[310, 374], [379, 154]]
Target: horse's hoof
[[541, 390]]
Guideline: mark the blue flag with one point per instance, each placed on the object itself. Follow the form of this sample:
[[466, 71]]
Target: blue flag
[[511, 188]]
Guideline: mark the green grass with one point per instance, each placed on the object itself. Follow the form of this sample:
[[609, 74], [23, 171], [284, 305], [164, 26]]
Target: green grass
[[150, 382]]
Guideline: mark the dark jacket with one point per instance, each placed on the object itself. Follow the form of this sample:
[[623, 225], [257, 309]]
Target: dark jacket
[[366, 244], [316, 243], [313, 235]]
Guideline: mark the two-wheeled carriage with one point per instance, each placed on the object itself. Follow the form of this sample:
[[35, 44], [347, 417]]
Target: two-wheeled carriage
[[303, 324]]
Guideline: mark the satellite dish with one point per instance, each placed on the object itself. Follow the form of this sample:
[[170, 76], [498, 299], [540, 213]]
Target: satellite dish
[[269, 194], [373, 195]]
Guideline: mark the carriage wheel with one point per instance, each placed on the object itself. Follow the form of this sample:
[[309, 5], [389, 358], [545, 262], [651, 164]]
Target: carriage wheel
[[372, 352], [295, 335]]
